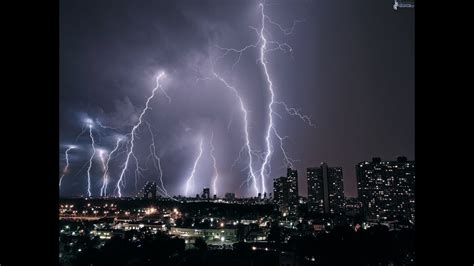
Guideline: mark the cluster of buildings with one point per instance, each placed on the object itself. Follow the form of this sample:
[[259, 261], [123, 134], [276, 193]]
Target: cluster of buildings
[[386, 190], [386, 194]]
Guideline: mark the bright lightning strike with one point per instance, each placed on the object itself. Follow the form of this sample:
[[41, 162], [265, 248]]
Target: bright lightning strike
[[102, 154], [132, 133], [289, 161], [156, 161], [190, 181], [103, 190], [291, 111], [216, 173], [268, 151], [90, 161], [252, 177], [294, 112], [65, 170], [265, 46]]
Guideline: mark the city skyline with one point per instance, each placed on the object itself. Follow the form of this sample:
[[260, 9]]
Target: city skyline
[[359, 92], [312, 174]]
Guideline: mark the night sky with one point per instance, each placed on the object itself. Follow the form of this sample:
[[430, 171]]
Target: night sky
[[351, 69]]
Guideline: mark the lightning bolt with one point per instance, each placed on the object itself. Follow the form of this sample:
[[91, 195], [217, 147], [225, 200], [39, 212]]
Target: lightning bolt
[[103, 126], [216, 173], [133, 135], [252, 177], [294, 112], [156, 161], [191, 176], [291, 111], [103, 189], [90, 161], [65, 170], [102, 153], [83, 130], [262, 60], [266, 46], [289, 161], [238, 51]]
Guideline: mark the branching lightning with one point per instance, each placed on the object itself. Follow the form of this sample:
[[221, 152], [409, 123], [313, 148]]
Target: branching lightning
[[65, 170], [238, 51], [156, 161], [104, 126], [216, 173], [265, 46], [289, 161], [294, 112], [252, 177], [133, 135], [259, 161], [90, 161], [80, 133], [190, 181], [103, 189], [102, 154], [268, 151]]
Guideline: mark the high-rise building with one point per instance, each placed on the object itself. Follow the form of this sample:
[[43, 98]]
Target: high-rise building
[[387, 188], [293, 197], [285, 193], [352, 206], [325, 189], [280, 193]]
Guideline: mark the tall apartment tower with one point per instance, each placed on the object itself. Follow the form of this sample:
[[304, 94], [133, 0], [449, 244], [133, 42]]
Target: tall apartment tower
[[285, 193], [387, 188], [325, 189]]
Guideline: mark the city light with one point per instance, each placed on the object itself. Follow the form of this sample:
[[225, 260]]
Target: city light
[[149, 211]]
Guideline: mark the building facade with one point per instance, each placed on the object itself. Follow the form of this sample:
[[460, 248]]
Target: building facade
[[211, 236], [352, 207], [325, 189], [387, 189], [285, 193]]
